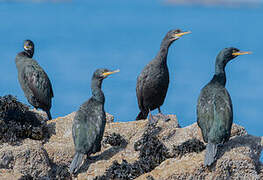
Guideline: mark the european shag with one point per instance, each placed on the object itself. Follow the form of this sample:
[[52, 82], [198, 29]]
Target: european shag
[[89, 122], [33, 79], [214, 107], [152, 83]]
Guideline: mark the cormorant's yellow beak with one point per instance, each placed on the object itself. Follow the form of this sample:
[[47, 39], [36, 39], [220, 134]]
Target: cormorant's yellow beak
[[27, 47], [183, 33], [110, 72], [241, 53]]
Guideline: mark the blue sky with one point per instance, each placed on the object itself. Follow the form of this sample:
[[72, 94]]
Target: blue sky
[[73, 39]]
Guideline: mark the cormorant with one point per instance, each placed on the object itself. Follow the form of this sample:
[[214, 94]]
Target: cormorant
[[214, 107], [33, 79], [152, 83], [89, 121]]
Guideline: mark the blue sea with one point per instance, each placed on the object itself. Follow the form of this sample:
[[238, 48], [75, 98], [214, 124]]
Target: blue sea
[[74, 38]]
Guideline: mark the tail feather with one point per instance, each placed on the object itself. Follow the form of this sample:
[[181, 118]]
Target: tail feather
[[49, 115], [75, 164], [210, 155], [142, 115]]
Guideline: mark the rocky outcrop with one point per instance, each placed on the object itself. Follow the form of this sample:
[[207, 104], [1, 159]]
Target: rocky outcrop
[[133, 150]]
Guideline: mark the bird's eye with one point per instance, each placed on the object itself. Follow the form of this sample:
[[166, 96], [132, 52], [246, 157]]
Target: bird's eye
[[235, 50], [178, 31]]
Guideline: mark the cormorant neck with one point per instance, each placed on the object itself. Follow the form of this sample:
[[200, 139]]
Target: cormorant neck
[[219, 78], [96, 90], [220, 75], [28, 53], [162, 55], [220, 67]]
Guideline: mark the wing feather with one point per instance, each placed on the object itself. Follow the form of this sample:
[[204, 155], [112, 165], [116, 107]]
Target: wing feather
[[38, 82], [215, 114]]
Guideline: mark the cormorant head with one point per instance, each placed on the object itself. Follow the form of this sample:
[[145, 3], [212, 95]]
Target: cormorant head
[[228, 54], [173, 35], [29, 48], [103, 73], [28, 45]]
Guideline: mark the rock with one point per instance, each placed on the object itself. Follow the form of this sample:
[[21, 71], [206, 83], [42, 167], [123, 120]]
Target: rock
[[30, 158], [17, 122], [238, 158], [189, 146], [133, 150], [6, 159], [114, 139]]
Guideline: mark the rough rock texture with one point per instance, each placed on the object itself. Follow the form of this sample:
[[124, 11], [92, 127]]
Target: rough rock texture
[[18, 122], [30, 158], [177, 153]]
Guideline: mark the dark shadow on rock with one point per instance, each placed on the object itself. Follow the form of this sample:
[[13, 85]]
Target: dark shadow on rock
[[107, 154], [118, 144]]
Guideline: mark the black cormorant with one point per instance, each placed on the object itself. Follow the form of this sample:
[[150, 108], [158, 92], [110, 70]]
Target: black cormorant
[[33, 79], [214, 107], [152, 83], [89, 122]]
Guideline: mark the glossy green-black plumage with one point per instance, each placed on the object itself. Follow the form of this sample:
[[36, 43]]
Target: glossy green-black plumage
[[89, 122], [214, 112], [153, 81], [214, 107], [33, 79]]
